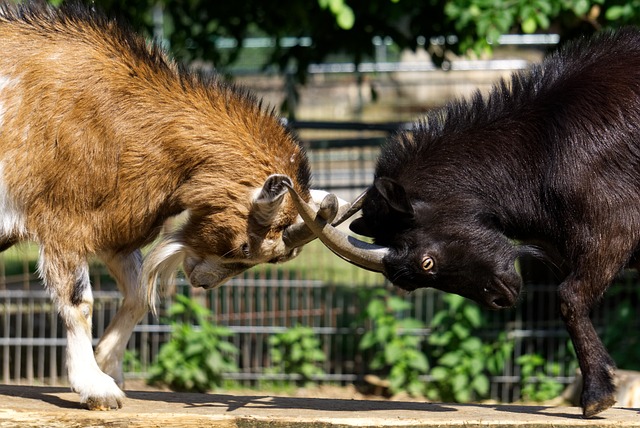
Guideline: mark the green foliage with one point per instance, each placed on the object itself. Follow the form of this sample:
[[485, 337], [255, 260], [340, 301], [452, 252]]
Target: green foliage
[[462, 362], [194, 29], [397, 351], [131, 362], [536, 384], [623, 345], [195, 358], [321, 29], [345, 17], [621, 13], [297, 351], [479, 23]]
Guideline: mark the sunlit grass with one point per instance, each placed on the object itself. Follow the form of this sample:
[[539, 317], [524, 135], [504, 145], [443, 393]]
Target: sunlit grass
[[316, 262], [19, 259]]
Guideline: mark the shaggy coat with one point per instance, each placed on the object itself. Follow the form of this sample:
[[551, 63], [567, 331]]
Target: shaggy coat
[[550, 158], [103, 138]]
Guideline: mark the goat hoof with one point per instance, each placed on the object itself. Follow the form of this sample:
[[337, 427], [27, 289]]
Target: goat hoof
[[593, 407], [104, 403]]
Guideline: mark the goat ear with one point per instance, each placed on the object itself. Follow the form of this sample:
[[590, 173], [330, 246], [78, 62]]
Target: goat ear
[[394, 194], [268, 199]]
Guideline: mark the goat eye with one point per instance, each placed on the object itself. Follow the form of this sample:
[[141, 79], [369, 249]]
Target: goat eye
[[245, 249], [427, 264]]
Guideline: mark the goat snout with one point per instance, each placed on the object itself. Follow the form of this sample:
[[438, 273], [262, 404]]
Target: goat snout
[[501, 294], [207, 274]]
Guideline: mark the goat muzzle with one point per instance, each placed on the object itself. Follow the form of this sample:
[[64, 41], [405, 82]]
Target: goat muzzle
[[322, 223]]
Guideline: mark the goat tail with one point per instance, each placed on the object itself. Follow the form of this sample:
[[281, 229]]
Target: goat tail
[[160, 266]]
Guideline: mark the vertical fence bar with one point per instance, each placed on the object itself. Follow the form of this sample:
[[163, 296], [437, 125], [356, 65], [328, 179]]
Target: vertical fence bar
[[6, 333], [29, 361], [42, 327]]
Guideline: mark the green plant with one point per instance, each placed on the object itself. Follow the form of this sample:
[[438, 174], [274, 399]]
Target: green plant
[[131, 362], [536, 384], [195, 358], [297, 351], [618, 339], [462, 363], [397, 352]]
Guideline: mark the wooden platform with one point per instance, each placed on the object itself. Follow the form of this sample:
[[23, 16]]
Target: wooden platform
[[22, 406]]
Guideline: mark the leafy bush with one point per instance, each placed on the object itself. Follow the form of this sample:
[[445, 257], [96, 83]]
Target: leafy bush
[[297, 351], [196, 357], [536, 385], [624, 347], [397, 352], [462, 363], [131, 362]]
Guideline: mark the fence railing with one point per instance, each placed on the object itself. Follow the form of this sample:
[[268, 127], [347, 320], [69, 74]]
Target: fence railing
[[316, 290]]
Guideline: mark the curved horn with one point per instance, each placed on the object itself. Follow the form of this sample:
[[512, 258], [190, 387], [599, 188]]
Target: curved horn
[[299, 234], [362, 254]]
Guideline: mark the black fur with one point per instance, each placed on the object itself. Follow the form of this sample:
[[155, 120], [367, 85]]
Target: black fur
[[550, 158]]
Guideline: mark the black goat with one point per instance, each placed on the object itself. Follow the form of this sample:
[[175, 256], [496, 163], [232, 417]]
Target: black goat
[[550, 158]]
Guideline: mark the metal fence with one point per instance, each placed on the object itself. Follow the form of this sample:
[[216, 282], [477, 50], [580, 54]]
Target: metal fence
[[316, 290]]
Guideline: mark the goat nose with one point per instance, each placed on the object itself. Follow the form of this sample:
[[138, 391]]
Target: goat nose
[[189, 265], [501, 299], [500, 303]]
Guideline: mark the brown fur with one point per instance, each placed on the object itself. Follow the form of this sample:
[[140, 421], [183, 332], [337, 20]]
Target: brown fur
[[103, 137]]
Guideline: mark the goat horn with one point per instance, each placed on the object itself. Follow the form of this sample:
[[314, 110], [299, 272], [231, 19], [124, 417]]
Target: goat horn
[[362, 254], [299, 234]]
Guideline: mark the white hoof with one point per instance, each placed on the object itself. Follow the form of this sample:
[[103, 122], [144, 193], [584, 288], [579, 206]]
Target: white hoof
[[103, 394]]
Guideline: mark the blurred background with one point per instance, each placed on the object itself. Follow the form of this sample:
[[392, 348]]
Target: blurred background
[[345, 74]]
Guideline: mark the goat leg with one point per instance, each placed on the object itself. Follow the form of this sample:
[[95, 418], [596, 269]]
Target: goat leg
[[598, 391], [68, 281], [109, 353]]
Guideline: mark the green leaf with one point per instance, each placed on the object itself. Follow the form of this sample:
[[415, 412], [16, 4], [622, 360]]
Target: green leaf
[[227, 347], [529, 25], [346, 18], [368, 341], [392, 354], [296, 353], [375, 309], [415, 388], [463, 396], [471, 345], [440, 339], [419, 362], [480, 384], [454, 301], [581, 7], [476, 365], [543, 21], [450, 359], [615, 12], [396, 304], [438, 318], [410, 324], [384, 333], [439, 373], [460, 331], [460, 382], [473, 315]]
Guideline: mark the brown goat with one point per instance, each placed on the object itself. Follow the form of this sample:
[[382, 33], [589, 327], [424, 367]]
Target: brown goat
[[102, 139]]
